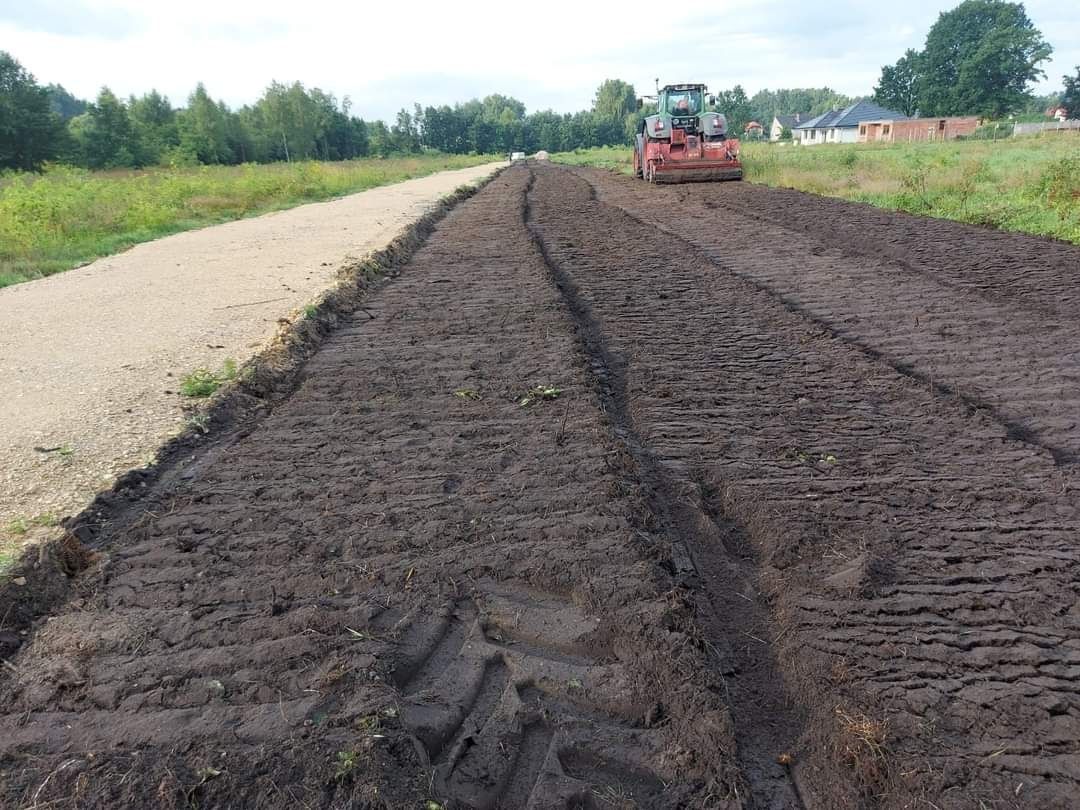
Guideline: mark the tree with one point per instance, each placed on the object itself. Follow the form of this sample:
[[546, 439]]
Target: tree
[[292, 118], [63, 103], [614, 100], [203, 128], [1036, 106], [404, 134], [897, 88], [30, 132], [1070, 99], [103, 135], [153, 122], [379, 139], [736, 107], [979, 59]]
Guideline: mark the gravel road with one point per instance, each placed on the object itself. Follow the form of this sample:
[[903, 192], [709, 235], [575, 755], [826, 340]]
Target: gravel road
[[93, 358]]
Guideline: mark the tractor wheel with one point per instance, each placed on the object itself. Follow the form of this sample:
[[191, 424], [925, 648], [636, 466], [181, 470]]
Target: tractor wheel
[[650, 172], [639, 152]]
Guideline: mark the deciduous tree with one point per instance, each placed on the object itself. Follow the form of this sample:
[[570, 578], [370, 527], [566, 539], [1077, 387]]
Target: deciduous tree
[[204, 129], [1070, 99], [30, 132], [104, 135], [980, 59], [614, 100], [898, 88]]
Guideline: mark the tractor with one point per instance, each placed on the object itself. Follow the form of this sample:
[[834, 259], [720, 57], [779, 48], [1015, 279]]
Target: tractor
[[683, 142]]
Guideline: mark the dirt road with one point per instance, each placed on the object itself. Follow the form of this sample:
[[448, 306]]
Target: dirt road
[[93, 358], [617, 496]]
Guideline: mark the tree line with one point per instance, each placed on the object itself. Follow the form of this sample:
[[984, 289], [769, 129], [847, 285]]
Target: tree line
[[288, 122], [291, 122], [980, 58]]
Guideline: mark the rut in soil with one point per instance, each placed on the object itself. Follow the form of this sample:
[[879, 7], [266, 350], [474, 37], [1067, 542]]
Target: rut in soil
[[708, 555]]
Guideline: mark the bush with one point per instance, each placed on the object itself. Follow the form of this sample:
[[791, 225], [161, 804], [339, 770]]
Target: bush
[[992, 130], [1060, 185]]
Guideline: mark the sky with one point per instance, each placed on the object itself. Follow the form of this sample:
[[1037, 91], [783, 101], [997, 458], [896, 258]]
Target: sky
[[385, 56]]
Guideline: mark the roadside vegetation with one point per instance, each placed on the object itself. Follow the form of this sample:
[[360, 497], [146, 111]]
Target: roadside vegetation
[[1029, 184], [13, 537], [65, 217], [203, 382]]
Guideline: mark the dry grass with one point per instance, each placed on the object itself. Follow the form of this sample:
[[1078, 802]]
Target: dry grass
[[863, 742]]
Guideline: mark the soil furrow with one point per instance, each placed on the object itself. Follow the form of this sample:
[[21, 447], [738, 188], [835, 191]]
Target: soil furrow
[[857, 488], [766, 722], [965, 340]]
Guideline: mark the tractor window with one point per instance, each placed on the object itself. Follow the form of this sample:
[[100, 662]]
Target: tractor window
[[684, 102]]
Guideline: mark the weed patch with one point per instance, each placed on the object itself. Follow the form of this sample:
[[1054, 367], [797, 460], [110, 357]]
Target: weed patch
[[202, 382]]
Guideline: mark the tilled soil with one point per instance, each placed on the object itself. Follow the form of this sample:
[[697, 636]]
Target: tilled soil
[[617, 496]]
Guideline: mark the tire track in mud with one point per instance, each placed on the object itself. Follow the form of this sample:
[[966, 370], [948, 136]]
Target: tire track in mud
[[917, 560], [767, 722], [402, 584], [524, 714]]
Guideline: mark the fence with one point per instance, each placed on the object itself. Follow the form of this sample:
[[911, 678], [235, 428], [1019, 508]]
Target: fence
[[1048, 126]]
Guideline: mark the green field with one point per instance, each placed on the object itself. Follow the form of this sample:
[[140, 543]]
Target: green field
[[67, 217], [1029, 184]]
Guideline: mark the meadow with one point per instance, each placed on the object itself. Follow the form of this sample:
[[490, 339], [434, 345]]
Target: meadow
[[66, 217], [1026, 184]]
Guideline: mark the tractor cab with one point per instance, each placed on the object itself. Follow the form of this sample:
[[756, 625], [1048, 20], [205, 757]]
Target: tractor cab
[[684, 103]]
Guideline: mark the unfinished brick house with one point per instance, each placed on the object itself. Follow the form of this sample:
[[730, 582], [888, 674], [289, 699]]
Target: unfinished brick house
[[917, 129]]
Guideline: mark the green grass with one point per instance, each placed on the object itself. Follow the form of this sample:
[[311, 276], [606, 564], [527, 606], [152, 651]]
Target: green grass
[[13, 536], [8, 555], [67, 217], [17, 527], [1028, 184], [203, 382], [615, 158]]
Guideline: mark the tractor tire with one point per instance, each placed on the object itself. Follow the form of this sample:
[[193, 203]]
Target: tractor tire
[[639, 157]]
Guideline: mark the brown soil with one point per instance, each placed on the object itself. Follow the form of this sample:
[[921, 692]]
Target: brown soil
[[794, 531]]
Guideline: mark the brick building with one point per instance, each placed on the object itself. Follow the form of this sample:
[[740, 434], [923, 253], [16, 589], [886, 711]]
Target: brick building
[[916, 129]]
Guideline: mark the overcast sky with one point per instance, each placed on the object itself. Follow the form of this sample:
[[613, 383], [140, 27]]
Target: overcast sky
[[548, 54]]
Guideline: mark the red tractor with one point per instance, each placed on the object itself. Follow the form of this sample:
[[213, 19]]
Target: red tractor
[[683, 143]]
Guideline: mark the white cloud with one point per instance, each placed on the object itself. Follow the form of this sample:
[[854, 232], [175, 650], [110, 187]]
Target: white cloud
[[385, 56]]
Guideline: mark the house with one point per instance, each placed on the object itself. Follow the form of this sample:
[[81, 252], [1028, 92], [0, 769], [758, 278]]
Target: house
[[1058, 112], [842, 126], [754, 131], [917, 129], [782, 122]]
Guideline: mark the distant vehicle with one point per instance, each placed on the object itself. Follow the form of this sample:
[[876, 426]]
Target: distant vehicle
[[683, 142], [516, 156]]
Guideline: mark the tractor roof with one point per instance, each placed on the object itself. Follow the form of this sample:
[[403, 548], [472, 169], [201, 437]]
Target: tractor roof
[[683, 86]]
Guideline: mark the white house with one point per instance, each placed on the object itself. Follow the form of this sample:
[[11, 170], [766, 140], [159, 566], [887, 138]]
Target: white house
[[782, 122], [842, 126]]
